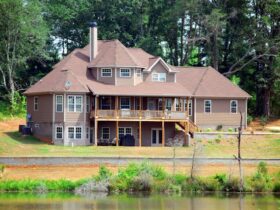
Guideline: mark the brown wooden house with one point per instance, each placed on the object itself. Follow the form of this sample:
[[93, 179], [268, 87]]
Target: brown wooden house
[[106, 92]]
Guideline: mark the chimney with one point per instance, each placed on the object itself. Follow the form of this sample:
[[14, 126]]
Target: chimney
[[93, 48]]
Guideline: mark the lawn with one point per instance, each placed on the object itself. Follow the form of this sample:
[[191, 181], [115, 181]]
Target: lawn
[[13, 144]]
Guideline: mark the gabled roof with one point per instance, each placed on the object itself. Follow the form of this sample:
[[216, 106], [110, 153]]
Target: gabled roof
[[155, 60], [207, 82]]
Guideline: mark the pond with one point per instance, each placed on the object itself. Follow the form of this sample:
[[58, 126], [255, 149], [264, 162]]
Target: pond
[[55, 201]]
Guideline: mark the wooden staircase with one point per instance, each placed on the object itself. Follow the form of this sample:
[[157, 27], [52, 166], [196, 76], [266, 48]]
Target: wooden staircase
[[191, 127]]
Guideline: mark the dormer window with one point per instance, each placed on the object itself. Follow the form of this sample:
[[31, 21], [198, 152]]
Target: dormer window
[[106, 72], [125, 73], [159, 77]]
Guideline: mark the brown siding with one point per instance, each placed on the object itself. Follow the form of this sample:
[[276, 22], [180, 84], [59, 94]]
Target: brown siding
[[107, 80], [45, 108], [159, 68], [125, 80], [74, 116], [137, 79], [220, 113]]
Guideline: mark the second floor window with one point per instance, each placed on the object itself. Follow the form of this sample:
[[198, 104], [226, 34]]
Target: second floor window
[[207, 106], [106, 72], [125, 73], [125, 102], [233, 106], [75, 103], [59, 103], [159, 77], [138, 72]]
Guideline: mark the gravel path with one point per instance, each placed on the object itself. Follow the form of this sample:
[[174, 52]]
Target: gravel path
[[14, 161]]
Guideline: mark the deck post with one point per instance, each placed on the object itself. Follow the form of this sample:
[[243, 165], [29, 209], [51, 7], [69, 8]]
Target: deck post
[[140, 133], [96, 121], [163, 133], [117, 133]]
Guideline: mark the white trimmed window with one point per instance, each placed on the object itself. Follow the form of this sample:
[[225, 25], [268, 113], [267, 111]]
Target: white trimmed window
[[138, 72], [78, 133], [36, 103], [59, 132], [75, 103], [106, 72], [105, 134], [177, 104], [168, 104], [233, 106], [124, 131], [125, 72], [159, 77], [207, 106], [75, 132], [59, 103], [88, 104], [71, 132], [125, 102]]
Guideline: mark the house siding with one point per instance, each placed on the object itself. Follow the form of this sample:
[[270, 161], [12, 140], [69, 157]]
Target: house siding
[[107, 80], [220, 114], [125, 80]]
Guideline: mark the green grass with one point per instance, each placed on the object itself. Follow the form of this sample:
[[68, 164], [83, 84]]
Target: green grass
[[13, 144]]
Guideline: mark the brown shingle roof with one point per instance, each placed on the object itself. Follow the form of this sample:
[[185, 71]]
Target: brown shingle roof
[[207, 82], [191, 81]]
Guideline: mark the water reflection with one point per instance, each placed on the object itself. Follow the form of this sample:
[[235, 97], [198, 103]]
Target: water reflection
[[54, 201]]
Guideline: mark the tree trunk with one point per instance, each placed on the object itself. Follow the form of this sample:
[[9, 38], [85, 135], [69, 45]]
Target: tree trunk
[[214, 53]]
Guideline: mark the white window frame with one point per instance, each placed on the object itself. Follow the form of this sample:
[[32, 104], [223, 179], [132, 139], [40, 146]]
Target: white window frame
[[128, 105], [36, 103], [125, 69], [189, 107], [56, 103], [205, 106], [87, 104], [102, 133], [75, 132], [75, 103], [156, 77], [105, 71], [87, 132], [125, 133], [230, 106], [56, 127], [138, 73]]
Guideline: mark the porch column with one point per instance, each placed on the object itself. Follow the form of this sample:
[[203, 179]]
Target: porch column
[[187, 108], [117, 133], [140, 133], [163, 133], [95, 120]]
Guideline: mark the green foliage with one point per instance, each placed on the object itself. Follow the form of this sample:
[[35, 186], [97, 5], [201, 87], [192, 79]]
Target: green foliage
[[249, 119], [230, 130], [261, 181], [263, 120], [2, 168], [103, 174]]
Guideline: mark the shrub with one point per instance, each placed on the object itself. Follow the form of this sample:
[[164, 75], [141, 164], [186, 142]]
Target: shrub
[[221, 178], [179, 179], [219, 127], [230, 130], [103, 174], [2, 168], [218, 141], [142, 182], [249, 119], [263, 120], [276, 187], [261, 181], [209, 130]]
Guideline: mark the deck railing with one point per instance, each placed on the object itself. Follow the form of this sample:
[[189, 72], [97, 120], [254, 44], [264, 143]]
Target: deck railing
[[136, 114]]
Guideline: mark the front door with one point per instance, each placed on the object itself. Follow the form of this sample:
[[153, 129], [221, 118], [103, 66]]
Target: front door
[[91, 135], [156, 137]]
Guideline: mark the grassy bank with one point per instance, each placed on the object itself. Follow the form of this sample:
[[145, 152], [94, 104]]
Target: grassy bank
[[12, 144], [149, 178]]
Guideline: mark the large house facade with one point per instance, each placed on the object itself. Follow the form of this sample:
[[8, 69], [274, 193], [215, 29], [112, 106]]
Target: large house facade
[[107, 93]]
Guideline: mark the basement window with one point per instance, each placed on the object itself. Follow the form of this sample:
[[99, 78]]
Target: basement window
[[75, 132], [59, 132], [105, 133]]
